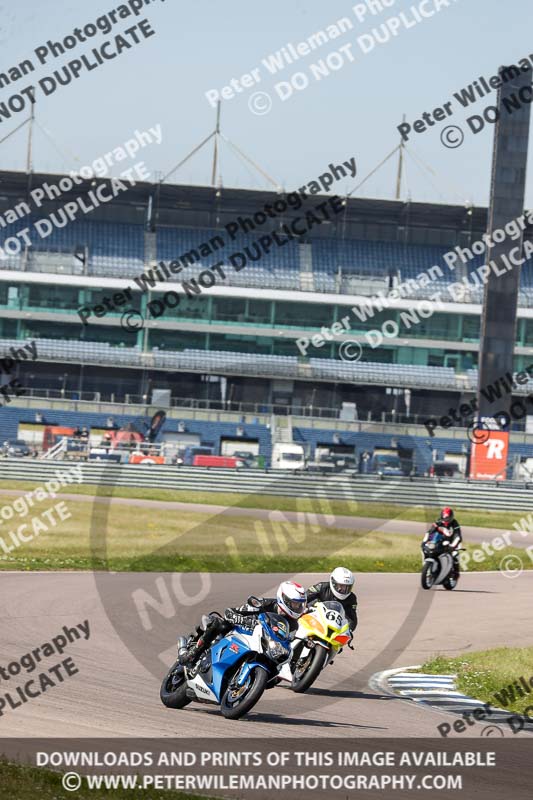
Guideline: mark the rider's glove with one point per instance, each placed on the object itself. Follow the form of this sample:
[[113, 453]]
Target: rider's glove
[[235, 618]]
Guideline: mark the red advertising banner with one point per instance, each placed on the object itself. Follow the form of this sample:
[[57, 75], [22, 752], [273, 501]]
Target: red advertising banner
[[489, 455]]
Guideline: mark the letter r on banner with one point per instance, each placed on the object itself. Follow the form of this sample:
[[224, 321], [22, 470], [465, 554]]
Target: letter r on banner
[[488, 459]]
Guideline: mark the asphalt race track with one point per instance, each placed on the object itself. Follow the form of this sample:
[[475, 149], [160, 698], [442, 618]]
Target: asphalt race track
[[113, 694]]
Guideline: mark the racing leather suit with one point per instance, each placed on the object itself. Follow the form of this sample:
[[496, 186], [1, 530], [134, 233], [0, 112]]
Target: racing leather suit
[[241, 615], [322, 591]]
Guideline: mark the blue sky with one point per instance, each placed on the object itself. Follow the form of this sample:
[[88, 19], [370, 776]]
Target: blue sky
[[202, 45]]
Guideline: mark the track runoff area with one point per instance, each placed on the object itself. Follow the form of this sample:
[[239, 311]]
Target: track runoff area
[[84, 651], [95, 676]]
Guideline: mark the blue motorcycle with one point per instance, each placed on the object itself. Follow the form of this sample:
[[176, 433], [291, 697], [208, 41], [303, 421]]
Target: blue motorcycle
[[235, 671]]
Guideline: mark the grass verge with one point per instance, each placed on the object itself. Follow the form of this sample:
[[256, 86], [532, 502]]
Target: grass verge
[[490, 675], [21, 782], [482, 518], [144, 539]]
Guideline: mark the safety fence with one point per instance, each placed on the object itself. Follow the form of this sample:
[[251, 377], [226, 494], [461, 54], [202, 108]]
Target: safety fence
[[511, 496]]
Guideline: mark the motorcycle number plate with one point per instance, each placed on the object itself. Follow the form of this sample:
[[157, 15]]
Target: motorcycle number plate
[[332, 616]]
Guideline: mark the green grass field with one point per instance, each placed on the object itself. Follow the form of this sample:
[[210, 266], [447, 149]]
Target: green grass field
[[121, 537], [487, 519], [18, 782], [485, 674]]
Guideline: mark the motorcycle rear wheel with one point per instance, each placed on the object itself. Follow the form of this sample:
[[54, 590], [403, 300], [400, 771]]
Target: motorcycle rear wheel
[[427, 578], [301, 682], [174, 688], [234, 707]]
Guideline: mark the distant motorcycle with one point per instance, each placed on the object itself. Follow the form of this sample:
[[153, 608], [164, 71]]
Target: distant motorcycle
[[438, 568], [321, 634], [236, 669]]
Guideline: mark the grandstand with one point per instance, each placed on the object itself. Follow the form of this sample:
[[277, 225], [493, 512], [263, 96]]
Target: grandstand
[[236, 343]]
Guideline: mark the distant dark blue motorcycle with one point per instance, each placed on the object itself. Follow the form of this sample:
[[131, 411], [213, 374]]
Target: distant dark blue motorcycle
[[235, 671]]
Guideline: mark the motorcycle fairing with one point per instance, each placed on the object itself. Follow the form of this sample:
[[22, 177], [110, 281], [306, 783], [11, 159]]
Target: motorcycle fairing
[[446, 566]]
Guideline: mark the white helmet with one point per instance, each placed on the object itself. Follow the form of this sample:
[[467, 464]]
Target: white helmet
[[292, 599], [341, 582]]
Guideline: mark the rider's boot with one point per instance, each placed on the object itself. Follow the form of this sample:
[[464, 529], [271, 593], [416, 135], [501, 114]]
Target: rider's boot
[[203, 642], [456, 568], [192, 653], [188, 647]]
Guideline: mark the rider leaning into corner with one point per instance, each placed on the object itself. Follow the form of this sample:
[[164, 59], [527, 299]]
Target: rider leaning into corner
[[451, 530], [339, 587], [290, 602]]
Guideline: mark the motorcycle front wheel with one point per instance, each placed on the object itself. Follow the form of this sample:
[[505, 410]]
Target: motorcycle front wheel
[[427, 578], [174, 688], [306, 674], [450, 583], [238, 700]]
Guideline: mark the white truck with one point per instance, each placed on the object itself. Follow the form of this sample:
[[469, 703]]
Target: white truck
[[288, 456]]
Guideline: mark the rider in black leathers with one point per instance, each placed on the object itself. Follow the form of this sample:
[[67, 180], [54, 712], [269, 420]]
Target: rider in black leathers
[[452, 535], [338, 588], [290, 603]]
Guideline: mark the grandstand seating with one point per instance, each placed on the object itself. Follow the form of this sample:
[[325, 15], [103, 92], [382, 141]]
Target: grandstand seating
[[399, 374], [325, 265], [324, 282], [218, 361], [472, 383], [279, 268], [115, 249], [337, 264], [354, 256]]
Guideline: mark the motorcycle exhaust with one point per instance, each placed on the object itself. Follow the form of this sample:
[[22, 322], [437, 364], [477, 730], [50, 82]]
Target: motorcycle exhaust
[[182, 647]]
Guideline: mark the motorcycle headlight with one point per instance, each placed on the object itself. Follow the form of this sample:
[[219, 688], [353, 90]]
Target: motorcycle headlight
[[430, 546], [277, 650]]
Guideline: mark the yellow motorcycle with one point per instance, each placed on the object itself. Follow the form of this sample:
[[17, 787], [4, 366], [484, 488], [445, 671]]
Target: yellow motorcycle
[[322, 633]]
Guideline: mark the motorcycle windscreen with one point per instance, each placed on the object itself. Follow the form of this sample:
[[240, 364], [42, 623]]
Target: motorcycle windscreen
[[276, 626]]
